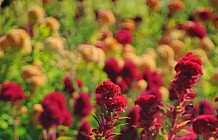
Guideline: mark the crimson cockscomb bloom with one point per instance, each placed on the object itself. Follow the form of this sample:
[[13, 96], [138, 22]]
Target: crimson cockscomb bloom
[[188, 70], [82, 105], [204, 107], [84, 131], [204, 124], [124, 36], [150, 115], [11, 91], [112, 69], [154, 80], [133, 116], [129, 72], [108, 96], [68, 85], [54, 111], [196, 30], [153, 91]]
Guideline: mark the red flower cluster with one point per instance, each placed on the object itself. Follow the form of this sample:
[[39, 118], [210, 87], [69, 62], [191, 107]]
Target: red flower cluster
[[11, 91], [127, 73], [68, 85], [196, 30], [204, 107], [82, 105], [203, 14], [124, 36], [205, 124], [188, 70], [129, 131], [83, 131], [189, 136], [153, 79], [109, 97], [112, 69], [55, 111], [150, 116]]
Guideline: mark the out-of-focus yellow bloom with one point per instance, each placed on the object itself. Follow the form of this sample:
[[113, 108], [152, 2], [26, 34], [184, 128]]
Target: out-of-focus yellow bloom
[[16, 38], [35, 14], [206, 44], [105, 16], [165, 93], [140, 85], [33, 75], [36, 111], [52, 23], [129, 24], [90, 53], [177, 46], [128, 48], [201, 54], [165, 52], [54, 43], [111, 45], [214, 77]]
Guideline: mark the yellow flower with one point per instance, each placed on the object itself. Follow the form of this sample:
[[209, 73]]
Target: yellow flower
[[52, 23], [35, 14], [105, 16], [54, 43]]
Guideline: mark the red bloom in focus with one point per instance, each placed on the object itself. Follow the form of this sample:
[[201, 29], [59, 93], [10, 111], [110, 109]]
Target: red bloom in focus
[[188, 70], [112, 69], [124, 36], [154, 91], [196, 30], [108, 96], [82, 105], [146, 102], [11, 91], [54, 111], [108, 89], [205, 124], [84, 128]]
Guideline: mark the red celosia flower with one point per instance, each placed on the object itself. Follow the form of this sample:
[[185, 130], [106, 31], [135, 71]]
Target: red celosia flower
[[188, 70], [108, 89], [108, 96], [129, 72], [68, 85], [154, 80], [124, 36], [54, 111], [11, 91], [205, 124], [133, 115], [82, 105], [204, 107], [83, 131], [66, 118], [112, 69], [196, 30], [146, 102], [153, 91]]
